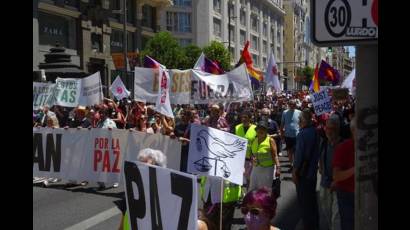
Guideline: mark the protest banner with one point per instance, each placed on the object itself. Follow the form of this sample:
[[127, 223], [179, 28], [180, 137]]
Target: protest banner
[[94, 155], [195, 86], [118, 89], [322, 102], [67, 92], [166, 199], [41, 94], [216, 153], [162, 104], [91, 90]]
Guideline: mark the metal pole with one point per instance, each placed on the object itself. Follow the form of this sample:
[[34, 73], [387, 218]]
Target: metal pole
[[124, 11], [229, 28], [366, 140]]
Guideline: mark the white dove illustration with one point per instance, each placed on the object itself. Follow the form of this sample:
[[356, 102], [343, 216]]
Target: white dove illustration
[[219, 148]]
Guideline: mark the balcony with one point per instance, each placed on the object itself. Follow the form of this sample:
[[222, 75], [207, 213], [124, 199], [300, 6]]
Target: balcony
[[276, 7]]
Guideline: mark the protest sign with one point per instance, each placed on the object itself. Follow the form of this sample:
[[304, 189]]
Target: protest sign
[[94, 155], [67, 92], [322, 102], [216, 153], [118, 89], [41, 94], [163, 105], [91, 90], [160, 198]]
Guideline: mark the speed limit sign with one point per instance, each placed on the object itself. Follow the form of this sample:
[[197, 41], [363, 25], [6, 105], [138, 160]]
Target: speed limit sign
[[344, 22]]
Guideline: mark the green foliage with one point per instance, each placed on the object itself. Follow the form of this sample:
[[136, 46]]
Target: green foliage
[[192, 53], [216, 51]]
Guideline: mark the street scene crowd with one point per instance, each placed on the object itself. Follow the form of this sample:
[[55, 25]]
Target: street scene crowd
[[286, 121]]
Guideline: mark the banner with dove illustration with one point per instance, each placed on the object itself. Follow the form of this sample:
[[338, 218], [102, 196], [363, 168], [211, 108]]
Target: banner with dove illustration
[[216, 153]]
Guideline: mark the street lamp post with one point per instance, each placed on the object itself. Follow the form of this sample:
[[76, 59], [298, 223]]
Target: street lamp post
[[124, 12], [229, 26]]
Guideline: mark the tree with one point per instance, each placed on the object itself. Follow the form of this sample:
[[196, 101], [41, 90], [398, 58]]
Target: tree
[[216, 51], [192, 53], [164, 48], [307, 72]]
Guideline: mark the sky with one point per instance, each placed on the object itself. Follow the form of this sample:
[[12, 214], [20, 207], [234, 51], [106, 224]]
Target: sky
[[352, 51]]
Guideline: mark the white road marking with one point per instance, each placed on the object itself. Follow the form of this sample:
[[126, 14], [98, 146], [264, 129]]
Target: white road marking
[[100, 217]]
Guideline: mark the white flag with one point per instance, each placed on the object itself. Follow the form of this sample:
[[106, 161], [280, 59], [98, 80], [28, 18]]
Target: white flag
[[348, 82], [271, 77], [118, 89], [200, 63], [163, 104]]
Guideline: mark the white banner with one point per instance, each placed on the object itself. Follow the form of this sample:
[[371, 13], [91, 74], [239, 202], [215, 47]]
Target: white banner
[[41, 93], [67, 92], [96, 154], [91, 90], [160, 198], [322, 102], [195, 86], [163, 105], [216, 153], [118, 89]]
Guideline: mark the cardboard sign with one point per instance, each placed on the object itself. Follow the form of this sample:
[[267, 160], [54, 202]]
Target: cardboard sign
[[322, 102]]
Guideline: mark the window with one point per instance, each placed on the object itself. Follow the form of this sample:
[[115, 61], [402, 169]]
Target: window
[[242, 18], [184, 42], [254, 43], [255, 60], [254, 23], [148, 17], [182, 2], [242, 37], [179, 22], [265, 47], [265, 29], [117, 40], [217, 27], [217, 5], [232, 34], [97, 43], [54, 29], [264, 62], [272, 35]]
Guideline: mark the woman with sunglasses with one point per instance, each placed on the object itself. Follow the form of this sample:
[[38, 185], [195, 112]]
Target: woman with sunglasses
[[259, 208]]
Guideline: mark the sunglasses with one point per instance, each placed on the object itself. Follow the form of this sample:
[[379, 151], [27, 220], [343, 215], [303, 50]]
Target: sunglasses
[[253, 211]]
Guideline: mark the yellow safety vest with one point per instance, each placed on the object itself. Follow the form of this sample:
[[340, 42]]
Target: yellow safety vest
[[232, 192], [262, 152], [125, 222], [249, 135]]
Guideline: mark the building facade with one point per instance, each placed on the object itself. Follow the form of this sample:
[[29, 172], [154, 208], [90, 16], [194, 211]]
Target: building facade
[[201, 21], [92, 31]]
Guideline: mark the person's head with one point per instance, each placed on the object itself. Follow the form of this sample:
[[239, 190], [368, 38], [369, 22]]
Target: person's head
[[80, 112], [104, 114], [214, 111], [305, 118], [153, 157], [262, 129], [246, 118], [204, 223], [52, 122], [46, 109], [332, 127], [259, 208], [91, 114], [152, 123], [186, 115], [292, 104], [265, 112]]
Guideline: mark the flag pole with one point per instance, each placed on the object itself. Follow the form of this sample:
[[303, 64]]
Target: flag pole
[[222, 198]]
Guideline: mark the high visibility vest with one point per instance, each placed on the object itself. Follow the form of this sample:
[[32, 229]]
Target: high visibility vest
[[232, 192], [249, 135], [126, 222], [262, 152]]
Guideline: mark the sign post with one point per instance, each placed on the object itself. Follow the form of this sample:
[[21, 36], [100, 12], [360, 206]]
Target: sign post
[[346, 23]]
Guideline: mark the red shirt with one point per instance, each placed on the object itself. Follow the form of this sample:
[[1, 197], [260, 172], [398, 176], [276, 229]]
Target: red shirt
[[343, 158]]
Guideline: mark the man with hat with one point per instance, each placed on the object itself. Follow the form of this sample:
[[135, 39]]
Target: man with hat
[[265, 158]]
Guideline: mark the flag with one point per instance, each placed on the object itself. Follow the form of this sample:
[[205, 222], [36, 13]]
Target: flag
[[272, 78], [163, 104], [328, 73], [118, 89], [255, 75], [205, 64], [314, 85], [149, 62], [348, 82]]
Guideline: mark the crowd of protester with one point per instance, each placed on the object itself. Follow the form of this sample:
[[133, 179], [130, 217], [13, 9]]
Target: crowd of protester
[[313, 144]]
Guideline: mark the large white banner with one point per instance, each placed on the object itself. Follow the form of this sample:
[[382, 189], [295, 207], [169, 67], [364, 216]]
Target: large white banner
[[216, 153], [160, 198], [322, 102], [71, 92], [96, 154], [195, 86], [163, 105], [41, 93]]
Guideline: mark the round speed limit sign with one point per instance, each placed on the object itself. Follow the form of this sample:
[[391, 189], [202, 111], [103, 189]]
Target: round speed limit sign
[[338, 16]]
